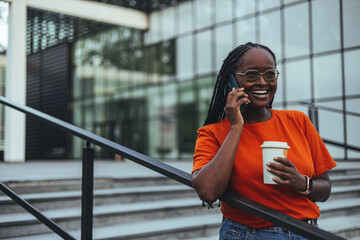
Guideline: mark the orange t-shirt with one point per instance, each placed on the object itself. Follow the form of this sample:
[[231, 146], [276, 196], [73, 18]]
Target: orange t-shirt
[[307, 152]]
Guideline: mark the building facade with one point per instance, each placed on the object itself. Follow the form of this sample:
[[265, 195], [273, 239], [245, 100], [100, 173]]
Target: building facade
[[150, 90]]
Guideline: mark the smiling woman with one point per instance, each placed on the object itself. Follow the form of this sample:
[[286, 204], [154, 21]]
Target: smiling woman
[[228, 150]]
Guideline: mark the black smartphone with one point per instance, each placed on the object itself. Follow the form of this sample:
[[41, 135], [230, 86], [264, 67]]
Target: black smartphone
[[233, 84]]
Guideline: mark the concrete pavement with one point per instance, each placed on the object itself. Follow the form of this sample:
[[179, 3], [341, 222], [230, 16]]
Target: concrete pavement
[[70, 169]]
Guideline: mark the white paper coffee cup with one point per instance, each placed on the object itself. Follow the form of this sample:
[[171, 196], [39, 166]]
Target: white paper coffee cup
[[270, 150]]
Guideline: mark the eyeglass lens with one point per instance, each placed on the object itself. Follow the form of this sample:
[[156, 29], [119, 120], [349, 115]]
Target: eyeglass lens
[[269, 75]]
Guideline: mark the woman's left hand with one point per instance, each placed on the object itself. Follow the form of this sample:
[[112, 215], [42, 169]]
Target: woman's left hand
[[287, 173]]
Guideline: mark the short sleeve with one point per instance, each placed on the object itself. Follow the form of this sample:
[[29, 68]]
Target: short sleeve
[[206, 148]]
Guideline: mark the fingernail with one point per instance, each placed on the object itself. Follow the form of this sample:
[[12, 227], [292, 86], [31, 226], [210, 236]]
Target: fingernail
[[267, 164], [269, 169]]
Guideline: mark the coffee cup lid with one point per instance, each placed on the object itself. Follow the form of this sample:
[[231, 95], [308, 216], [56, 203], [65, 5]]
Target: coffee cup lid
[[275, 144]]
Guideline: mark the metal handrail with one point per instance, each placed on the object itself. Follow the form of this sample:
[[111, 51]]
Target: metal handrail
[[313, 115], [248, 205]]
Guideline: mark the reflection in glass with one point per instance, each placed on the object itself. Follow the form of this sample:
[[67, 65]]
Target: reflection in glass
[[246, 31], [297, 42], [298, 80], [205, 89], [328, 130], [184, 57], [223, 10], [270, 34], [263, 5], [244, 7], [327, 76], [168, 21], [224, 43], [352, 83], [204, 52], [326, 25], [353, 130], [185, 17], [351, 20], [203, 13]]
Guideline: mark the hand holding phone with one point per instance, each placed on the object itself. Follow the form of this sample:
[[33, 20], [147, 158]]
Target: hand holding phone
[[231, 85]]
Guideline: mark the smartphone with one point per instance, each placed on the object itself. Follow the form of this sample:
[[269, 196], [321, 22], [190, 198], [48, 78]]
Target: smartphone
[[231, 84]]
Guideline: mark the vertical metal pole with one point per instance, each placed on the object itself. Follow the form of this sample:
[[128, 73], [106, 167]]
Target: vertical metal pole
[[87, 198], [313, 115]]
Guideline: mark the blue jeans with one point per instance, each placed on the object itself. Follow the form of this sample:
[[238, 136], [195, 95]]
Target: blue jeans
[[231, 230]]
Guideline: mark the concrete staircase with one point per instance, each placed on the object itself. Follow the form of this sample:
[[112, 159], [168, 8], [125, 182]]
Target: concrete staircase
[[340, 214], [135, 208], [153, 207]]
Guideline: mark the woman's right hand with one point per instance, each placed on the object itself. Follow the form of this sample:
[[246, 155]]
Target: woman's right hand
[[232, 106]]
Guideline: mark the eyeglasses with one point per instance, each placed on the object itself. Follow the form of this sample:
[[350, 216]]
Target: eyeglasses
[[252, 76]]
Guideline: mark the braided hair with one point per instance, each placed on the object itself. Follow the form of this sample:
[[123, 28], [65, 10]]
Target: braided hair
[[216, 109]]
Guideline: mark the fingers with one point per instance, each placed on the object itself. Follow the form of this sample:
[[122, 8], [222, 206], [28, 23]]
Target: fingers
[[286, 172], [238, 95]]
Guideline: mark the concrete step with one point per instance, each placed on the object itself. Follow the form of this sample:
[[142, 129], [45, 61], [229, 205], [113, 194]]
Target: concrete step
[[339, 207], [169, 228], [67, 199], [346, 168], [345, 192], [60, 185], [347, 227], [14, 225], [345, 180]]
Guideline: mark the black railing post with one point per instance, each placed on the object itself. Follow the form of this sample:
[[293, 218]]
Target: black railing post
[[87, 197], [313, 115]]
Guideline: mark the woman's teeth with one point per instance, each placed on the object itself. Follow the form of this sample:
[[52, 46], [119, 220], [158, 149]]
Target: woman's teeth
[[259, 92]]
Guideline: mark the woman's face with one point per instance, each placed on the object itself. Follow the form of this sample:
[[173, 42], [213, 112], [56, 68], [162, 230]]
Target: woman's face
[[260, 92]]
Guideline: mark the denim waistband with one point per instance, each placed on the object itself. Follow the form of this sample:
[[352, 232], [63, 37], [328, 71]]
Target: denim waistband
[[275, 228]]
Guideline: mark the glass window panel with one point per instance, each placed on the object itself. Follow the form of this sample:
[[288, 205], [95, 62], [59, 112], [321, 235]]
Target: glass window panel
[[326, 25], [353, 155], [327, 76], [335, 152], [353, 130], [270, 33], [153, 34], [245, 7], [263, 5], [168, 23], [184, 57], [170, 96], [327, 121], [224, 43], [204, 52], [187, 119], [351, 20], [280, 85], [205, 90], [153, 100], [154, 136], [185, 17], [246, 31], [297, 42], [353, 105], [298, 80], [299, 107], [352, 83], [168, 143], [332, 104], [203, 13], [223, 10]]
